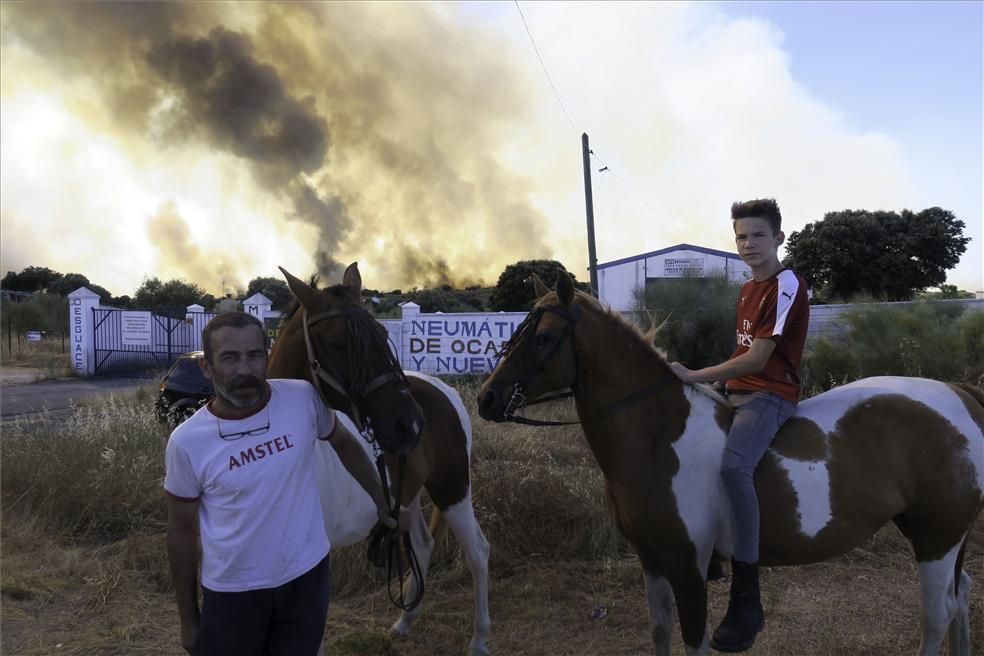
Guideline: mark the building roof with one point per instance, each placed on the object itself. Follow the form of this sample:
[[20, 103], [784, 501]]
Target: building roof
[[670, 249]]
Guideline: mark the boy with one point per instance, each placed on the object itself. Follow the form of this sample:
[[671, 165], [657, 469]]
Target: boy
[[763, 384]]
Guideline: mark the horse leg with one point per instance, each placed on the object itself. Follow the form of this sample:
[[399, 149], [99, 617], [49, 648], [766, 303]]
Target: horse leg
[[423, 547], [659, 595], [685, 579], [461, 520], [940, 606], [691, 601], [958, 635]]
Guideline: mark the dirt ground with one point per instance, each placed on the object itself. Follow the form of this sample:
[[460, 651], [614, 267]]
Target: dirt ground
[[113, 600]]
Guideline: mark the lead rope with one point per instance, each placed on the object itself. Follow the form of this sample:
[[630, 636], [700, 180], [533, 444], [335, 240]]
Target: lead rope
[[384, 535]]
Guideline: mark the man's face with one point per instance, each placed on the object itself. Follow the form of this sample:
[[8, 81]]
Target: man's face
[[238, 365], [757, 244]]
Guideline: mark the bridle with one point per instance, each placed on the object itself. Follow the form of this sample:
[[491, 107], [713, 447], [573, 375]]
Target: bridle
[[326, 373], [521, 340], [384, 544]]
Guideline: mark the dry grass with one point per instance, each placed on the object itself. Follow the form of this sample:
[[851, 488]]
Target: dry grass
[[563, 583], [34, 361]]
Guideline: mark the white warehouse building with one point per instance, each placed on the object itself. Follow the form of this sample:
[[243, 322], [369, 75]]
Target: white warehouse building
[[619, 280]]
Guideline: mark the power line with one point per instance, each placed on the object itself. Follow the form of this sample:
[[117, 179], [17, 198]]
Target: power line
[[605, 168], [608, 169], [544, 66]]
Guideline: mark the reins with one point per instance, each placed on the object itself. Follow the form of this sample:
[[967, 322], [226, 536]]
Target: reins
[[382, 538], [518, 401]]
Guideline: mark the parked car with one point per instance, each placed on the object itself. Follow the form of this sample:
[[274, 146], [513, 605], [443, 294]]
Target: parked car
[[184, 389]]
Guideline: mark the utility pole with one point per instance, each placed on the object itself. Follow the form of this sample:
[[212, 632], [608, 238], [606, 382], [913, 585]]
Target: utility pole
[[589, 208]]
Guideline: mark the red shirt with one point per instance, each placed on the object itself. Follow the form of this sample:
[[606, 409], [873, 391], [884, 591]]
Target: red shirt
[[776, 308]]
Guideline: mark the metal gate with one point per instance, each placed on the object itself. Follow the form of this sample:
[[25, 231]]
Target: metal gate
[[141, 343]]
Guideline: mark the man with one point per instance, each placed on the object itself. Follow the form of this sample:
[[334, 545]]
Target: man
[[763, 384], [242, 471]]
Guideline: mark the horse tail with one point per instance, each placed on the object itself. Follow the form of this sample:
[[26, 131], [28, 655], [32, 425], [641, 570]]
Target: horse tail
[[978, 395], [436, 522], [958, 566]]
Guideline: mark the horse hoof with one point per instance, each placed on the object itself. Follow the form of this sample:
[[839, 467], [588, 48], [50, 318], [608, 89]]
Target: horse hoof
[[477, 650], [399, 631]]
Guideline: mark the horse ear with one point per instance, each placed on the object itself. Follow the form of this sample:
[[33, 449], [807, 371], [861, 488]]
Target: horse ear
[[538, 287], [304, 292], [565, 288], [353, 280]]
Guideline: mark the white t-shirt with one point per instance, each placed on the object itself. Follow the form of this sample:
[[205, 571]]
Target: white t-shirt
[[260, 512]]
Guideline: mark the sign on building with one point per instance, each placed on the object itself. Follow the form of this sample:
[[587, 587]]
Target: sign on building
[[136, 329], [677, 267]]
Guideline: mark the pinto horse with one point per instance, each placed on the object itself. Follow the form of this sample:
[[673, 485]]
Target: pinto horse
[[907, 450], [331, 340]]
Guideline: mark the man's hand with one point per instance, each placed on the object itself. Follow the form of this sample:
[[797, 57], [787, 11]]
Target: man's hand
[[386, 520], [681, 372], [189, 636]]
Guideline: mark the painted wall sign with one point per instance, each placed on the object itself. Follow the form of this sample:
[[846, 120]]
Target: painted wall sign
[[136, 329], [456, 344], [78, 334]]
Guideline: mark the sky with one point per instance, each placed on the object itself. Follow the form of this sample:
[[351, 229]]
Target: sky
[[216, 141]]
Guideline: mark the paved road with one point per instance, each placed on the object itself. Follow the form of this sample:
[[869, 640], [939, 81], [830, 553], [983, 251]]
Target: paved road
[[23, 401]]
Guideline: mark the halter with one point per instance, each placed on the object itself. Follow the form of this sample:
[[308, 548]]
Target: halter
[[327, 373], [520, 339], [383, 539]]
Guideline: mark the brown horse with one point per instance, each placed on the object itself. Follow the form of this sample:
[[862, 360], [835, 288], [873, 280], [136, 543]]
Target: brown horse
[[333, 334], [907, 450]]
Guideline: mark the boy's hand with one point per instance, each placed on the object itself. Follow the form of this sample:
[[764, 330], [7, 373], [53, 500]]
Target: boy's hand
[[681, 372]]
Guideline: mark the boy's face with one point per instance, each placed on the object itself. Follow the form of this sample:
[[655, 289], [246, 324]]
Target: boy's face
[[757, 244]]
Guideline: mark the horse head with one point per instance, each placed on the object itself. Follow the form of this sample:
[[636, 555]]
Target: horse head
[[351, 362], [540, 357]]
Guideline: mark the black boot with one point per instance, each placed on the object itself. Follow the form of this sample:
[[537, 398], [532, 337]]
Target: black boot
[[744, 618]]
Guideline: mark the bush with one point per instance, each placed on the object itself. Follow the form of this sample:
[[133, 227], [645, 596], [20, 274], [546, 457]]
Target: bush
[[930, 340], [95, 475], [695, 317]]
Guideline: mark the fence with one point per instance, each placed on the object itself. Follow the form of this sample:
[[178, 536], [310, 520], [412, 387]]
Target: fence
[[435, 343], [136, 342]]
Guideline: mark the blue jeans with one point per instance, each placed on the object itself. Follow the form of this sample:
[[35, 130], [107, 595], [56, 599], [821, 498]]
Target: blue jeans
[[758, 417], [288, 620]]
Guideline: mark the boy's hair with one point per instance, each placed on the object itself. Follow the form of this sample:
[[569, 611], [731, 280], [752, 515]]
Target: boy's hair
[[229, 320], [760, 208]]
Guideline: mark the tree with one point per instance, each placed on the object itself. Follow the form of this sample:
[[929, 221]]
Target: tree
[[69, 282], [273, 288], [887, 255], [31, 279], [514, 290], [170, 297]]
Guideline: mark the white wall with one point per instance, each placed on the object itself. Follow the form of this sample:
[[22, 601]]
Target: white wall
[[618, 283]]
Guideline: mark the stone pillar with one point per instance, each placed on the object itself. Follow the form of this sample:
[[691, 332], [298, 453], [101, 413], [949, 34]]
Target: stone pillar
[[408, 312], [81, 303], [258, 305]]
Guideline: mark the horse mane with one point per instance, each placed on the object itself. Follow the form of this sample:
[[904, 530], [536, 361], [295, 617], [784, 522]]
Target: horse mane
[[645, 338]]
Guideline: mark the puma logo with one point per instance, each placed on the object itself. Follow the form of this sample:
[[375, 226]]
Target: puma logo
[[787, 294]]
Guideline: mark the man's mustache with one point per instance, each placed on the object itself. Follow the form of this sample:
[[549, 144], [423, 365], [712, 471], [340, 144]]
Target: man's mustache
[[246, 382]]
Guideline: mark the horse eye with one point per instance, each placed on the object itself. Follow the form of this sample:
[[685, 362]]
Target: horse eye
[[543, 339]]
